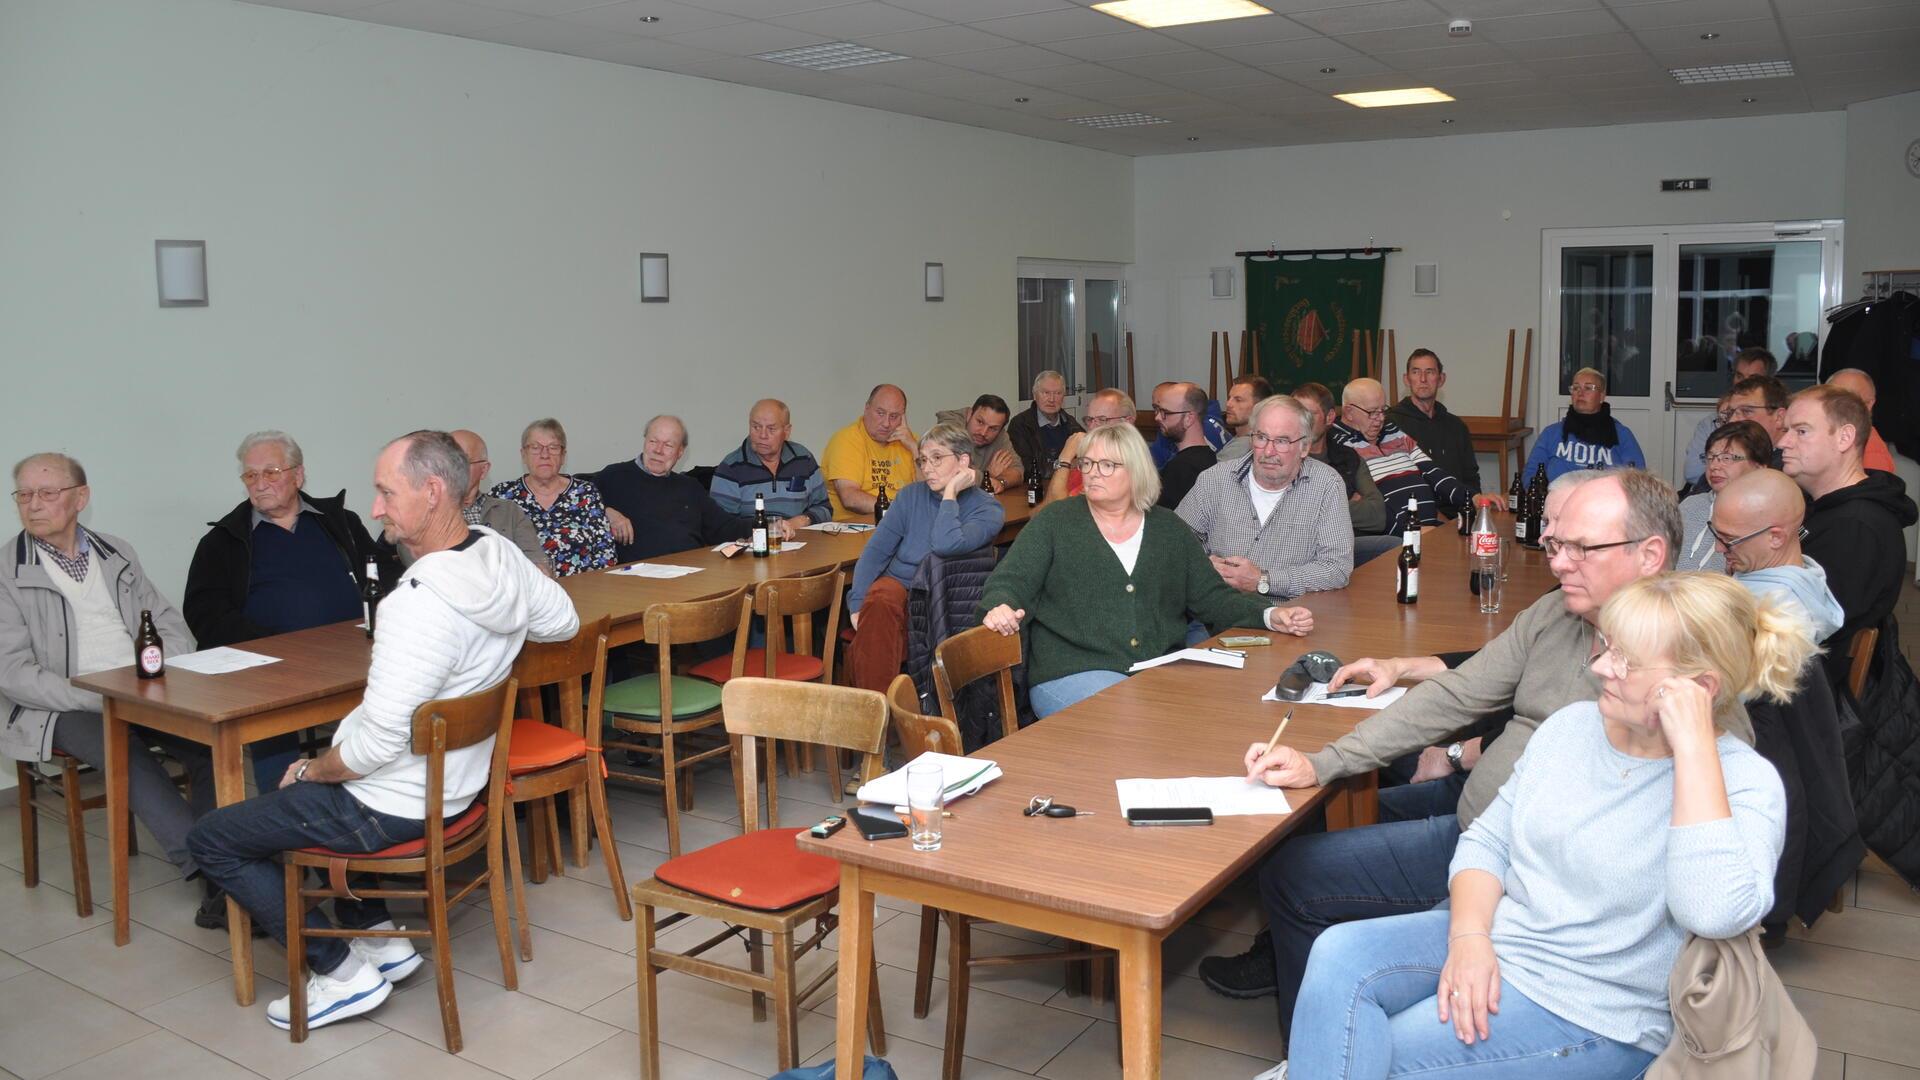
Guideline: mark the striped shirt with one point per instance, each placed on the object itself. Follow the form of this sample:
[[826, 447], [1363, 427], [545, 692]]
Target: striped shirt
[[1306, 543], [1403, 471], [798, 490]]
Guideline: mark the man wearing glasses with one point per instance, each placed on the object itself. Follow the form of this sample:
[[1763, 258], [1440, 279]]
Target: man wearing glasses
[[1748, 363], [70, 604], [1105, 408], [1180, 407], [1040, 432], [1275, 521], [1756, 526], [1399, 467]]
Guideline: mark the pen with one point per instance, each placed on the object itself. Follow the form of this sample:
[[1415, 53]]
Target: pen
[[1229, 652], [1277, 732]]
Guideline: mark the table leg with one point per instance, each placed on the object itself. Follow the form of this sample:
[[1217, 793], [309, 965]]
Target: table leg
[[1139, 1005], [115, 732], [229, 787], [1357, 804], [856, 971]]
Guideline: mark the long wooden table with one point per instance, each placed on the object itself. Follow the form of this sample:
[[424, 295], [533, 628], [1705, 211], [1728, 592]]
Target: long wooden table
[[1095, 878], [323, 672]]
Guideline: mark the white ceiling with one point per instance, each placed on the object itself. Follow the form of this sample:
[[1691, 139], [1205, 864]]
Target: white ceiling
[[1024, 66]]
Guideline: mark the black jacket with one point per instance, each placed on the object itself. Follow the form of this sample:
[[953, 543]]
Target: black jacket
[[1882, 738], [1855, 534], [1880, 339], [1444, 437], [1023, 431], [940, 604], [216, 597], [1802, 740], [669, 513]]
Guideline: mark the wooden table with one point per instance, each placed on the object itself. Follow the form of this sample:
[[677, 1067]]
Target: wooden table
[[1098, 880]]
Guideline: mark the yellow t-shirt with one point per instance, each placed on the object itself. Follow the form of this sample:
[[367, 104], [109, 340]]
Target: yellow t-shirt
[[852, 454]]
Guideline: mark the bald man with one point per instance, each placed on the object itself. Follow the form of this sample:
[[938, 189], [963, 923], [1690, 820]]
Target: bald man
[[876, 451], [1400, 469], [501, 516], [670, 510], [1756, 526], [1860, 384], [768, 463]]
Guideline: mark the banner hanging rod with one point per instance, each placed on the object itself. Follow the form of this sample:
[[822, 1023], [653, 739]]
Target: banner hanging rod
[[1275, 253]]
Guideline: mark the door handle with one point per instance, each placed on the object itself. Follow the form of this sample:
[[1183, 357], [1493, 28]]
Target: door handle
[[1669, 393]]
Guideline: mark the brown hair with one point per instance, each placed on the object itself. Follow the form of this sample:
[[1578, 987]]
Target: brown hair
[[1843, 408], [1749, 436]]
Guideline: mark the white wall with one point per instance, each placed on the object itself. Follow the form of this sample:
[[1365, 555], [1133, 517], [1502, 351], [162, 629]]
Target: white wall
[[408, 230], [1476, 204]]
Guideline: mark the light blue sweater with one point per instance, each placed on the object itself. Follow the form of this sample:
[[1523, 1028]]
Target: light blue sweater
[[1601, 890], [918, 523]]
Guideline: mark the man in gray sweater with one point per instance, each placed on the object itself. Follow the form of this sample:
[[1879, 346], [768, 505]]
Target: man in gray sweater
[[1613, 529]]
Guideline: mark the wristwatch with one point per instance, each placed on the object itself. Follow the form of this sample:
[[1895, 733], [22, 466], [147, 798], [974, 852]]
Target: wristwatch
[[1265, 586], [1454, 754], [300, 770]]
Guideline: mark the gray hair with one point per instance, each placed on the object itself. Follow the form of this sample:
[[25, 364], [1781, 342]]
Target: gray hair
[[75, 472], [1652, 508], [1574, 479], [1287, 403], [952, 438], [1598, 376], [281, 439], [1049, 374], [434, 453], [681, 424], [549, 425], [1114, 394]]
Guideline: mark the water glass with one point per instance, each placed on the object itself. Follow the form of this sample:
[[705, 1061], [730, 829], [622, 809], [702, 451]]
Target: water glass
[[1506, 556], [926, 793], [1489, 577]]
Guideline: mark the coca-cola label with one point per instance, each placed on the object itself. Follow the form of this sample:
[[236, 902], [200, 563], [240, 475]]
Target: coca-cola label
[[1486, 544], [150, 659]]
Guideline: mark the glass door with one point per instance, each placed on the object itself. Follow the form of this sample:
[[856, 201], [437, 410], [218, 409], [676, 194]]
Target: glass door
[[1069, 319]]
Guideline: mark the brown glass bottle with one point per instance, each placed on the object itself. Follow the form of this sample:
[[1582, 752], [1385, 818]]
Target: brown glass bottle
[[149, 656]]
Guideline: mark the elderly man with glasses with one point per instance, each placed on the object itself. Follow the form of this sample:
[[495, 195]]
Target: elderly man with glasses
[[1400, 469], [70, 604], [1039, 433]]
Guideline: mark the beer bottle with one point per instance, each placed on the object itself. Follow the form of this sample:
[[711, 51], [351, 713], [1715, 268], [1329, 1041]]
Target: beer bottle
[[1407, 583], [1522, 509], [1514, 493], [760, 549], [1033, 485], [1538, 508], [986, 480], [880, 503], [370, 593], [149, 657]]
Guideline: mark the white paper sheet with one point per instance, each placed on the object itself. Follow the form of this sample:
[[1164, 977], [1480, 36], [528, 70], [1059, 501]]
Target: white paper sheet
[[219, 661], [1205, 656], [840, 527], [961, 776], [657, 570], [1317, 695], [1226, 796]]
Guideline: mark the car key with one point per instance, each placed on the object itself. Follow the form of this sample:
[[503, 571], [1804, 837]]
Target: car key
[[1062, 810]]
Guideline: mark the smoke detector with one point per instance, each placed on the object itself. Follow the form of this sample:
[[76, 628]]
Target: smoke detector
[[1460, 28]]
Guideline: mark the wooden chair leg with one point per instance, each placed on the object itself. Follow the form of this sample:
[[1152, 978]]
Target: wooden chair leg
[[793, 760], [648, 993], [24, 775], [497, 899], [670, 786], [773, 788], [537, 839], [550, 808], [77, 839], [443, 957], [577, 825], [609, 847], [296, 957], [876, 1022], [959, 950], [518, 884], [923, 964], [757, 963], [786, 1010], [835, 790]]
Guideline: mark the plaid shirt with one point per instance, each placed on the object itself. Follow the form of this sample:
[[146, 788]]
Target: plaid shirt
[[76, 567], [1306, 544]]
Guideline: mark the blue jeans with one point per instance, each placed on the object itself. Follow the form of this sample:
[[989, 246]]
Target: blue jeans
[[150, 791], [1392, 868], [1368, 1011], [235, 847], [1053, 695]]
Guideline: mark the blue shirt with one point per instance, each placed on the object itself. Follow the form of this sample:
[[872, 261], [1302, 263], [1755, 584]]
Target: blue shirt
[[1571, 454], [799, 488], [298, 579], [919, 523]]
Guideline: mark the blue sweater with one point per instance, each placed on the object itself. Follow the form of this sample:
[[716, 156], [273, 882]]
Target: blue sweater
[[1565, 456], [1601, 890], [918, 523], [798, 489]]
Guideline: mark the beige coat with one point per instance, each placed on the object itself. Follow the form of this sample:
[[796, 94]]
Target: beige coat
[[1732, 1019]]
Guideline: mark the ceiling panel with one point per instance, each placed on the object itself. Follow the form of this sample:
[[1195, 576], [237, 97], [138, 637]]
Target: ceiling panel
[[1115, 46], [1356, 18], [858, 20], [1250, 31], [1011, 58], [934, 41], [625, 18], [953, 10], [1168, 63], [747, 38], [437, 16], [1660, 15], [1051, 25]]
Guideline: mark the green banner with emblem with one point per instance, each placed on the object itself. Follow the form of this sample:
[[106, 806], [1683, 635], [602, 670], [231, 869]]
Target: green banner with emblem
[[1306, 311]]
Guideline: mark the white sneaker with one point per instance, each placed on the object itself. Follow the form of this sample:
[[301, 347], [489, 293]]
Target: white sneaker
[[1278, 1072], [329, 998], [393, 958]]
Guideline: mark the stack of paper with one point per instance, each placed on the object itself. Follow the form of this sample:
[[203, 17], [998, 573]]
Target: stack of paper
[[1223, 657], [960, 776], [1224, 795], [1317, 695], [657, 570]]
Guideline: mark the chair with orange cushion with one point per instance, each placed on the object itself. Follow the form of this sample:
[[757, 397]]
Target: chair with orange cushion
[[788, 606], [759, 882], [438, 727], [66, 804], [667, 706], [549, 760], [921, 734]]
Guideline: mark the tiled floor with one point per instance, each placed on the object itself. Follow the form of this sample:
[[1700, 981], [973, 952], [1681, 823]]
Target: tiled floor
[[73, 1006]]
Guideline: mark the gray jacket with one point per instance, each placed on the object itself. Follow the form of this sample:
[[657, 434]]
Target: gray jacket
[[37, 642]]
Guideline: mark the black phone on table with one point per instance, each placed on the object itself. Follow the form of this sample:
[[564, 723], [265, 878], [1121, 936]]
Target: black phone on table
[[1170, 815], [878, 825]]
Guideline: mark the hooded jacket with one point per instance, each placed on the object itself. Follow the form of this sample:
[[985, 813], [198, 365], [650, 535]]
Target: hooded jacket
[[1855, 535], [217, 580], [1805, 585], [452, 626], [1443, 436]]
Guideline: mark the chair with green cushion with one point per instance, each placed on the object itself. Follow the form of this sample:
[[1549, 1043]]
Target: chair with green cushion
[[677, 705]]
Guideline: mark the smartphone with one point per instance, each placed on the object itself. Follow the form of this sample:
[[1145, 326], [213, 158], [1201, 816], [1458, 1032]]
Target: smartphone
[[1351, 691], [1236, 641], [878, 825], [1170, 815], [827, 828]]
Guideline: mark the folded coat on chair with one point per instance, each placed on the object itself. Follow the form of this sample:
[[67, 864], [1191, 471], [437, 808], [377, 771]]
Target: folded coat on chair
[[1732, 1019]]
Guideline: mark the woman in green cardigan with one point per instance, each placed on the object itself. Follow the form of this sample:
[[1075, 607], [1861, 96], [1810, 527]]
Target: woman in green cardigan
[[1108, 579]]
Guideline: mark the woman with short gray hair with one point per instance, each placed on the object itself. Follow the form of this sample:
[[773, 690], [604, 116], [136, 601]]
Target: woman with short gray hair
[[565, 510]]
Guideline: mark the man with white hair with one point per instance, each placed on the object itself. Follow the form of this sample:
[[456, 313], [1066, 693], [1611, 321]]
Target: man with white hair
[[1398, 466], [1104, 409], [451, 627], [479, 508], [670, 511], [1040, 432]]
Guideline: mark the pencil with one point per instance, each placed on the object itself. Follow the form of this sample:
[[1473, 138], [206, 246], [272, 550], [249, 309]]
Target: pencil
[[1277, 732]]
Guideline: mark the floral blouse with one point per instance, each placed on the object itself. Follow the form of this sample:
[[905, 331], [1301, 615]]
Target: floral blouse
[[573, 530]]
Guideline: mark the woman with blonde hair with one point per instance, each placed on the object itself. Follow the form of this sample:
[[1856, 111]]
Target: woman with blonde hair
[[1629, 822], [1106, 579]]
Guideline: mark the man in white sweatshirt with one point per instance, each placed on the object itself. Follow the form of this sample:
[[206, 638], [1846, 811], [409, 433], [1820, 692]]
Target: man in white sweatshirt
[[452, 626]]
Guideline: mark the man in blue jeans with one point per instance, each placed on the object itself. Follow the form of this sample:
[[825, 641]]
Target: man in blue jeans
[[452, 626], [1606, 530]]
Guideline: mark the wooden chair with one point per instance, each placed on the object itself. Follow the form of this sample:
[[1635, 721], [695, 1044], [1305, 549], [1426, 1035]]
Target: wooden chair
[[1859, 662], [61, 799], [1506, 435], [919, 734], [976, 654], [787, 606], [438, 727], [758, 883], [550, 760], [667, 706]]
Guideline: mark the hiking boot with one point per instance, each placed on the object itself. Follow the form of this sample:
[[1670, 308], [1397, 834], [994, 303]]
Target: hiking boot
[[1249, 975]]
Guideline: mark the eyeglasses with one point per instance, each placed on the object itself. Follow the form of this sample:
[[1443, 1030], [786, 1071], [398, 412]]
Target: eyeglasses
[[43, 494], [1093, 467], [1618, 659], [1158, 411], [1376, 413], [1727, 459], [1261, 441], [544, 449], [1578, 552], [1585, 388], [1746, 412], [1103, 421], [271, 476], [1729, 545], [928, 460]]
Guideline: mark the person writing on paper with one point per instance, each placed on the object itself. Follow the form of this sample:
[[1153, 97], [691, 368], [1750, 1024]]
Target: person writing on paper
[[1106, 581], [1630, 822], [943, 513]]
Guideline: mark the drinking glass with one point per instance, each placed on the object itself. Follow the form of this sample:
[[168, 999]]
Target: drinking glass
[[1505, 556], [926, 793], [1489, 576]]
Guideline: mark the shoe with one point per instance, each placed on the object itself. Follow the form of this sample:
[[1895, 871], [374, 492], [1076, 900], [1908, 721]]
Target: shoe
[[330, 999], [393, 958], [213, 914], [1249, 975], [1278, 1072]]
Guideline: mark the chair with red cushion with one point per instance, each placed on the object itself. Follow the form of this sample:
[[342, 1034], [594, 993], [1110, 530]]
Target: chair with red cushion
[[67, 804], [550, 760], [438, 726], [760, 882]]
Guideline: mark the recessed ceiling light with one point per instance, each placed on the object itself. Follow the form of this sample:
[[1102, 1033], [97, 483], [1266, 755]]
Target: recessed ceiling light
[[649, 18], [1152, 13], [1748, 100], [1118, 120], [828, 57], [1378, 99], [1759, 69], [1446, 121], [1328, 70], [1708, 36], [1021, 100]]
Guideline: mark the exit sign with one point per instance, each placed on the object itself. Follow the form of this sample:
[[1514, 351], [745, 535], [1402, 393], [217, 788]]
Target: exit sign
[[1698, 183]]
